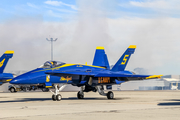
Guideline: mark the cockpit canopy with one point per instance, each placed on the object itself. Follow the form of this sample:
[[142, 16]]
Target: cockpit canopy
[[51, 64]]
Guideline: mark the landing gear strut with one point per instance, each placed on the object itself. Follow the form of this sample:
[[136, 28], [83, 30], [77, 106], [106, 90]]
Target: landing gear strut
[[56, 95]]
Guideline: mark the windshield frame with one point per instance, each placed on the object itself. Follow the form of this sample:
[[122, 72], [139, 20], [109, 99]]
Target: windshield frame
[[52, 64]]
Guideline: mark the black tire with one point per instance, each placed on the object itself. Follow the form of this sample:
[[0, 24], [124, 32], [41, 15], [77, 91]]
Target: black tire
[[54, 97], [24, 89], [58, 97], [80, 96], [110, 95], [12, 90], [30, 88], [45, 90]]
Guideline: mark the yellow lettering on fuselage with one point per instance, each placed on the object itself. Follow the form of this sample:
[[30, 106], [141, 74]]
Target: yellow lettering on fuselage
[[104, 80], [2, 62], [67, 78], [124, 59]]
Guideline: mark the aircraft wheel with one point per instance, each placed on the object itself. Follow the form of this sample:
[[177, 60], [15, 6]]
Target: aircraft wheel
[[54, 97], [79, 95], [58, 97], [24, 89], [45, 90], [12, 89], [110, 95]]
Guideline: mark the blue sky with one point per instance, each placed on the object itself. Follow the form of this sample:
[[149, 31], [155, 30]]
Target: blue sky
[[63, 10], [81, 25], [48, 10]]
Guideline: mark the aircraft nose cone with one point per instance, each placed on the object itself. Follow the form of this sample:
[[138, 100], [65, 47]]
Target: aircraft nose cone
[[19, 80], [16, 81], [13, 81]]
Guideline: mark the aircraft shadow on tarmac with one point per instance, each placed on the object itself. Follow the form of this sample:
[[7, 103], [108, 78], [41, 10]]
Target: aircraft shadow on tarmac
[[174, 102], [49, 99]]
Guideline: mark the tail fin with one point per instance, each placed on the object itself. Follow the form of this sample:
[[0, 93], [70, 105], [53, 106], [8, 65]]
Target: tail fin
[[4, 59], [122, 62], [100, 58]]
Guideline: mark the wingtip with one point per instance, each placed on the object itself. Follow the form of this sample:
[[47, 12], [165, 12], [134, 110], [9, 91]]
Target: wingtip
[[154, 77]]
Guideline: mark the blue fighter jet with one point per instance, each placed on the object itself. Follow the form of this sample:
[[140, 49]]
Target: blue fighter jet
[[88, 77], [5, 77]]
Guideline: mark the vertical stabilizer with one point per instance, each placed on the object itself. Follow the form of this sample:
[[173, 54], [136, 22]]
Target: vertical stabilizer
[[122, 62], [4, 59], [100, 58]]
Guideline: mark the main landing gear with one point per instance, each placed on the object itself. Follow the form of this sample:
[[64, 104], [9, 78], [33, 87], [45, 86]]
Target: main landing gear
[[100, 89], [12, 89], [109, 95], [56, 96], [80, 94]]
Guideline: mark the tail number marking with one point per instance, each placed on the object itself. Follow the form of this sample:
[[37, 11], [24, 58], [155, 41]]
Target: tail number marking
[[103, 79], [124, 59], [2, 62]]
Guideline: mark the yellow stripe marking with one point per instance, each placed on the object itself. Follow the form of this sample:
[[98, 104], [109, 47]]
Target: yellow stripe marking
[[48, 86], [2, 62], [100, 48], [132, 46], [9, 52], [8, 80], [154, 76]]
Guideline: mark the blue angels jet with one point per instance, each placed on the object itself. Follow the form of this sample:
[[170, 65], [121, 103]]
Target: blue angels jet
[[5, 77], [87, 77]]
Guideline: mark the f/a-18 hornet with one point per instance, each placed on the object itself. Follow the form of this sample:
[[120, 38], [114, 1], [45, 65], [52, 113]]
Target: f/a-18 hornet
[[88, 77]]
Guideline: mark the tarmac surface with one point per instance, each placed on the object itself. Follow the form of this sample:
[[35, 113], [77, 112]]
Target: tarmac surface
[[127, 105]]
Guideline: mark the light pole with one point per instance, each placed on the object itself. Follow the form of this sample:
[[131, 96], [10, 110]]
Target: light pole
[[51, 39]]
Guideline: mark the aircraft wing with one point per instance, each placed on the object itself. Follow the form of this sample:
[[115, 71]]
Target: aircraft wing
[[131, 76], [128, 75], [120, 75]]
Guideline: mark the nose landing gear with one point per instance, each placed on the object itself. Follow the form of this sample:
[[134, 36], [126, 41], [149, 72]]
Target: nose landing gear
[[56, 96]]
